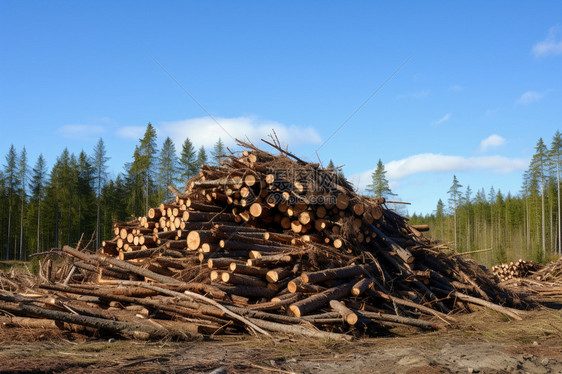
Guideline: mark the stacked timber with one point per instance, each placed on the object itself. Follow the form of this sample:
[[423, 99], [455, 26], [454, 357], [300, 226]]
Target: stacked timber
[[519, 269], [270, 243], [551, 272]]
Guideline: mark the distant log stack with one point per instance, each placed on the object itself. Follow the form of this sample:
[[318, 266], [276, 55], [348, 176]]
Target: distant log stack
[[519, 269]]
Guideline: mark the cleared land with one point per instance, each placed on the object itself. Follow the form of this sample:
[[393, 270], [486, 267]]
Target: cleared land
[[485, 342]]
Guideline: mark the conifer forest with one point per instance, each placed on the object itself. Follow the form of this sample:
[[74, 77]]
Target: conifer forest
[[47, 206]]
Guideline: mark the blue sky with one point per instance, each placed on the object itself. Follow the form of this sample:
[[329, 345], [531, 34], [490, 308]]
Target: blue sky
[[481, 82]]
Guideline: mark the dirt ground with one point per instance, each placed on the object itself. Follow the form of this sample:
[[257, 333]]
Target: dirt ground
[[484, 342]]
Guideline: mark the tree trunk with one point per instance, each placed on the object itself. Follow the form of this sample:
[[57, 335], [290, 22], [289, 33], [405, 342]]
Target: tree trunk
[[21, 225], [455, 225], [559, 221], [38, 224], [543, 225], [9, 228]]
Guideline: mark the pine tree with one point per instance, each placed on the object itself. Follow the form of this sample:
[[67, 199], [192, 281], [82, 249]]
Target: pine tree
[[11, 173], [218, 151], [37, 188], [99, 161], [187, 160], [556, 159], [330, 165], [379, 184], [22, 176], [168, 170], [454, 199]]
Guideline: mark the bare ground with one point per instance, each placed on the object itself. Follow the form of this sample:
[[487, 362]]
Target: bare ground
[[484, 342]]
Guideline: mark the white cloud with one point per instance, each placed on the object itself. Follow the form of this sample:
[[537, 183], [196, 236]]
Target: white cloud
[[438, 163], [205, 131], [552, 45], [444, 119], [131, 132], [491, 141], [530, 97], [80, 132], [456, 88]]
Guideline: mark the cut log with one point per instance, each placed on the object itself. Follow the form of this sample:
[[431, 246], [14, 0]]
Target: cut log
[[276, 275], [362, 286], [336, 273], [316, 301], [404, 254], [208, 216], [347, 314], [243, 279], [196, 237]]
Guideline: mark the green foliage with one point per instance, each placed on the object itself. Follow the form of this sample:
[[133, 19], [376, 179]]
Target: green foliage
[[218, 151], [379, 186], [454, 193], [201, 157], [525, 225], [11, 183], [168, 170], [99, 163], [187, 161], [41, 208]]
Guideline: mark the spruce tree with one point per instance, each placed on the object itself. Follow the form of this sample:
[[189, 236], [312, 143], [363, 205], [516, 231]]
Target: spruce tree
[[99, 161], [440, 215], [37, 188], [379, 186], [539, 170], [201, 157], [135, 182], [454, 200], [11, 177], [218, 151], [468, 207], [148, 159], [85, 193], [168, 169], [187, 160], [22, 176], [556, 158]]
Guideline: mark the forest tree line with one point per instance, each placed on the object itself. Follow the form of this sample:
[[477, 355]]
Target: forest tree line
[[524, 225], [42, 209]]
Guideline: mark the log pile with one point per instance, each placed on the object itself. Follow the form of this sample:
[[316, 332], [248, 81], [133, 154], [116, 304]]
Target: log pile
[[519, 269], [267, 243], [543, 285], [551, 272]]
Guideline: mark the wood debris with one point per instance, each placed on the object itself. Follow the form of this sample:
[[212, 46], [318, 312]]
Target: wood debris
[[264, 243], [519, 269]]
